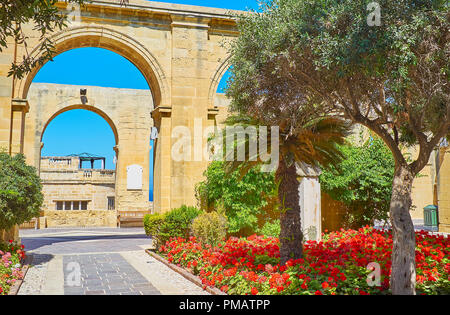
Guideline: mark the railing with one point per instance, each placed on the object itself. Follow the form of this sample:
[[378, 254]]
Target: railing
[[87, 174], [50, 175], [60, 162]]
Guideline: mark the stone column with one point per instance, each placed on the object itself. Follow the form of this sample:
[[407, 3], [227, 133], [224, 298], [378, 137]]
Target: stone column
[[310, 202], [162, 160], [19, 109], [6, 87]]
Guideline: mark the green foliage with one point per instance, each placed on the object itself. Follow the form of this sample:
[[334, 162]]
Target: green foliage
[[152, 226], [210, 228], [271, 228], [246, 200], [175, 223], [362, 181], [20, 191]]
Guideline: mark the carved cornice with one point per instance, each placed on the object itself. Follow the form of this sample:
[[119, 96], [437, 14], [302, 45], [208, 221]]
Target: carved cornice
[[161, 111], [20, 105]]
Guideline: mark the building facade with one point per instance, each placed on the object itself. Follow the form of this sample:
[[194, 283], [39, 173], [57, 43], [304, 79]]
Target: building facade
[[74, 196]]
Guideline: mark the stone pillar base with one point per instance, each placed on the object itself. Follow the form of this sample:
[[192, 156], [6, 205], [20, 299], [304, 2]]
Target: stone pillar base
[[310, 203]]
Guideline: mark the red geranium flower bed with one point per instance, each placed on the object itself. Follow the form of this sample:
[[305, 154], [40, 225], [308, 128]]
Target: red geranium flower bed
[[11, 257], [336, 265]]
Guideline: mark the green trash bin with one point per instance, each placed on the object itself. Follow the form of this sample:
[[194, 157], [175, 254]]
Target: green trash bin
[[430, 216]]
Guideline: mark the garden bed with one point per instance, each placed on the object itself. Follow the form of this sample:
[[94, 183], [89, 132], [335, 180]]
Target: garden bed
[[12, 268], [336, 265], [185, 273]]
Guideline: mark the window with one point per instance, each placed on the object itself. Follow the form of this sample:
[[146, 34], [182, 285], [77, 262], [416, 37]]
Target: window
[[111, 203], [71, 205]]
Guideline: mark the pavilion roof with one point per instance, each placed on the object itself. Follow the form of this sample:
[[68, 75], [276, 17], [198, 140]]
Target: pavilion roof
[[87, 156]]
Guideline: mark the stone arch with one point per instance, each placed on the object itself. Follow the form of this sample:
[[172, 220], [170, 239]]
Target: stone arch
[[216, 78], [90, 108], [102, 37]]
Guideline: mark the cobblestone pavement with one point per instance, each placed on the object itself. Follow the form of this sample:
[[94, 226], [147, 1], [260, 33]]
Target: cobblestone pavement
[[97, 262], [104, 274]]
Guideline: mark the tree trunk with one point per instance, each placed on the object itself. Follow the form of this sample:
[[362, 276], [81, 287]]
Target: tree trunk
[[291, 237], [403, 274]]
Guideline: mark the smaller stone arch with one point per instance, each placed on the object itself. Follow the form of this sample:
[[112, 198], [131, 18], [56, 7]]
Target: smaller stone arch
[[216, 78], [85, 107]]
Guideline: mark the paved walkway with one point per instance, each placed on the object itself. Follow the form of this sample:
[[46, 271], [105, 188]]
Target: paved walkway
[[97, 262]]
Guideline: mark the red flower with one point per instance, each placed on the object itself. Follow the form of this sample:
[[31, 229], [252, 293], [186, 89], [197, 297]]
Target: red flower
[[254, 291], [328, 262]]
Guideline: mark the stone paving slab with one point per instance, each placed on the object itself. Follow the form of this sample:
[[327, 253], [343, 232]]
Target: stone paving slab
[[102, 274]]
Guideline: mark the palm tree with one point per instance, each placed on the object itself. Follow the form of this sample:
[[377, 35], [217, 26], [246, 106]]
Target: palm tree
[[312, 143]]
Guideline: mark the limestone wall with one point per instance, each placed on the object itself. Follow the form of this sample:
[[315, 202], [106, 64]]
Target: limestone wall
[[332, 213], [96, 195], [90, 218]]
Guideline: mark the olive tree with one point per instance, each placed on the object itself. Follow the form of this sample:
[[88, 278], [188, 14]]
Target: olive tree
[[384, 65]]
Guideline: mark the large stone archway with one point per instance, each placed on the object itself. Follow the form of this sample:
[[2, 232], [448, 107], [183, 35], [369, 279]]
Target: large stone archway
[[103, 37], [179, 50]]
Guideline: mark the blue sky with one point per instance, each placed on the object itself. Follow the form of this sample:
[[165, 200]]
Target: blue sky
[[231, 4], [99, 67]]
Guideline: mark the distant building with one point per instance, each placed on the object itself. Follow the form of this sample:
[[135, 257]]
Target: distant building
[[75, 196]]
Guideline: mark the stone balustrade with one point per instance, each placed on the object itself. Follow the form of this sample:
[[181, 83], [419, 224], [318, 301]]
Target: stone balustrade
[[78, 176]]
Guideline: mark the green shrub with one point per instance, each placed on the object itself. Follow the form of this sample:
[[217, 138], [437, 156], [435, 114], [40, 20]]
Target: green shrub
[[272, 228], [248, 201], [152, 226], [20, 191], [177, 223], [210, 228], [362, 181]]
